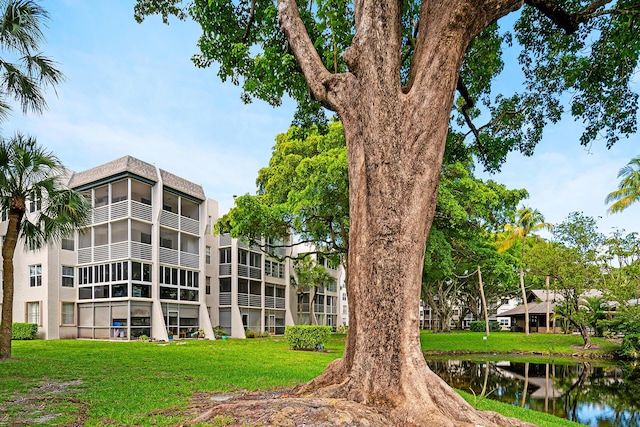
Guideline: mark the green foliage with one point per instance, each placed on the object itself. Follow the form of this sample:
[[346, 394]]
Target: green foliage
[[218, 332], [307, 337], [630, 347], [248, 333], [24, 331], [20, 37], [592, 57], [628, 191], [143, 337], [479, 326], [303, 191]]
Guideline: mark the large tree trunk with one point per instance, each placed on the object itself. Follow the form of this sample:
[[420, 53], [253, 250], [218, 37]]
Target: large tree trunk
[[8, 249], [395, 142]]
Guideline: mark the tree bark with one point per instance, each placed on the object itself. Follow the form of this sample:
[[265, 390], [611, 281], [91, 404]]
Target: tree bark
[[8, 250], [484, 303], [395, 142]]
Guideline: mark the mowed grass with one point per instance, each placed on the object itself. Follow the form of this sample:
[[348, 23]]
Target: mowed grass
[[128, 383], [513, 342]]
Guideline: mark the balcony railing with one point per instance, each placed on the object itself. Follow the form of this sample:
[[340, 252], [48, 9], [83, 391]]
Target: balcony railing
[[119, 250], [175, 257], [122, 209], [274, 302], [178, 222], [248, 300]]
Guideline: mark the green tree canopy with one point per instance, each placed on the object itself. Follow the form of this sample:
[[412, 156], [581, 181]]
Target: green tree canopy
[[24, 70]]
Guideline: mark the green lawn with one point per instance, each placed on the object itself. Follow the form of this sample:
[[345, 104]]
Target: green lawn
[[99, 382], [510, 342]]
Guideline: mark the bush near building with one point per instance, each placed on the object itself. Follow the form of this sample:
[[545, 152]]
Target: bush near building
[[307, 337], [24, 331]]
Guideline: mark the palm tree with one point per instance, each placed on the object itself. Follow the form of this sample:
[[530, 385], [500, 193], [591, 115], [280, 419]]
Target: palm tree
[[527, 222], [309, 275], [29, 173], [21, 23], [628, 191]]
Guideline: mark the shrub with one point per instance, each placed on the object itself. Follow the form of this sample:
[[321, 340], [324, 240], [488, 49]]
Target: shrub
[[307, 337], [249, 333], [342, 329], [24, 331], [479, 326], [143, 337], [218, 332], [630, 347]]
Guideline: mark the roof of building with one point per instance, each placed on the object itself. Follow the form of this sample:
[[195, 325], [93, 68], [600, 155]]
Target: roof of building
[[187, 187], [115, 167], [541, 294], [534, 308], [129, 164]]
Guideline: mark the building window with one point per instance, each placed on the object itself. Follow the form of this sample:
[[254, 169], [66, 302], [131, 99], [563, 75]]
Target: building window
[[34, 205], [225, 256], [207, 254], [207, 282], [35, 275], [68, 316], [68, 277], [68, 244], [33, 312]]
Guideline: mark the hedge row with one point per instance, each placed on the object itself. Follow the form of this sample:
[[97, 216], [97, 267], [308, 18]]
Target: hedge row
[[307, 337], [24, 331], [479, 326]]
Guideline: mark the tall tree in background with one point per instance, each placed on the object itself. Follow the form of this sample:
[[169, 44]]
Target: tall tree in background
[[30, 174], [21, 25], [390, 71], [309, 277], [628, 191], [528, 221]]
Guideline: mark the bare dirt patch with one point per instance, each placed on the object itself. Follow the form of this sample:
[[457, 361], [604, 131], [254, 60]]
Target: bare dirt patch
[[41, 405]]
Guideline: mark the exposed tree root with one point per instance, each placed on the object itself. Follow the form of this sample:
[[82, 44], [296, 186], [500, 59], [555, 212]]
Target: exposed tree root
[[332, 400], [284, 409]]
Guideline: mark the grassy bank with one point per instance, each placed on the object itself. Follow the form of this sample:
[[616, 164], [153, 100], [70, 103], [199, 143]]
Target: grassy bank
[[127, 383], [512, 342]]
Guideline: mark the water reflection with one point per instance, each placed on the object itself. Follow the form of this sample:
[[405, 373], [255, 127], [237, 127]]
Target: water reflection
[[592, 394]]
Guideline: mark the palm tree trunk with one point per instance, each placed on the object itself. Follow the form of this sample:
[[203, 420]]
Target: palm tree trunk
[[8, 250]]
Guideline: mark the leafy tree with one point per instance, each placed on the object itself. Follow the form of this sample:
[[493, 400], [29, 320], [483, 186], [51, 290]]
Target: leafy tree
[[595, 308], [527, 222], [29, 173], [309, 276], [578, 272], [628, 191], [303, 191], [21, 24], [390, 71]]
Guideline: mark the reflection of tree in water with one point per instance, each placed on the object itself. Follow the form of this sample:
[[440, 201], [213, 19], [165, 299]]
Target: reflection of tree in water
[[563, 390]]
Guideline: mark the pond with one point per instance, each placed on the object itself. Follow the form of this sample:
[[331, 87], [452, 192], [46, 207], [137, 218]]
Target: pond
[[591, 393]]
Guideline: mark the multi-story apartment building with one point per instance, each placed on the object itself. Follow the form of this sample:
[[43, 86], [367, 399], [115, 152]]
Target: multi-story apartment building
[[254, 292], [147, 263]]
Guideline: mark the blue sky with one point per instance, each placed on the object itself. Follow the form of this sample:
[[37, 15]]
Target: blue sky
[[132, 89]]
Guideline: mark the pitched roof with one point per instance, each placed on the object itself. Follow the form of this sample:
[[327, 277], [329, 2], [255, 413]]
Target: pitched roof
[[115, 167], [534, 308]]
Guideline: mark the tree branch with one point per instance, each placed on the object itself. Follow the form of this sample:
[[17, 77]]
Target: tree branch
[[323, 84], [252, 13]]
